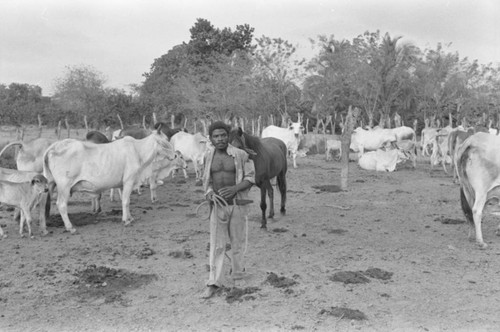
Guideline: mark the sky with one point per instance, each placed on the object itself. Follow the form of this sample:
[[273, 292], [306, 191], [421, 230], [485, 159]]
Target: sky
[[40, 39]]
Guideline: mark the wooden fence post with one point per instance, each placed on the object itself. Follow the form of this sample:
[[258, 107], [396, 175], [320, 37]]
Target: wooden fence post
[[59, 130], [120, 119], [39, 126], [86, 123], [67, 126], [351, 118]]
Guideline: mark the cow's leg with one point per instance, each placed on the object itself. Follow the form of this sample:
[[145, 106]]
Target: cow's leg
[[263, 206], [477, 214], [152, 188], [127, 190], [96, 203], [42, 203], [2, 235], [62, 206], [112, 194], [294, 158], [25, 218]]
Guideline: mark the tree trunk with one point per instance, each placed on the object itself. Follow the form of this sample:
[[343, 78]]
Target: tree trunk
[[346, 142]]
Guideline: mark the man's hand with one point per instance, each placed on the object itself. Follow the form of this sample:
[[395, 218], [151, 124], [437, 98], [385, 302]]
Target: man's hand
[[228, 192], [209, 196]]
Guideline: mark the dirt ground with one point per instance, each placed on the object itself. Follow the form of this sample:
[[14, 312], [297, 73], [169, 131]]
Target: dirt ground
[[389, 254]]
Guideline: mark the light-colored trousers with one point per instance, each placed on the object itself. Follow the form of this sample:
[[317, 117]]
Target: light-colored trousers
[[227, 222]]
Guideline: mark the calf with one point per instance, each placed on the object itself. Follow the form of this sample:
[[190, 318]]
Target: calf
[[332, 145], [23, 195]]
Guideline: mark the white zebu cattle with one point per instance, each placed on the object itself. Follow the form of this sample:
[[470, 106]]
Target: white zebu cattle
[[332, 145], [192, 147], [380, 160], [30, 159], [427, 136], [74, 165], [13, 175], [371, 140], [291, 136], [30, 156], [158, 170], [478, 167], [23, 195]]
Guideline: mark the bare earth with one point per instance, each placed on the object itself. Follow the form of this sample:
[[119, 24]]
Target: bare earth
[[389, 254]]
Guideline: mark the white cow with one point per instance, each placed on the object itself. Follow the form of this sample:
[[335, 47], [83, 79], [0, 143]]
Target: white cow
[[154, 173], [192, 147], [478, 162], [291, 136], [30, 159], [74, 165], [23, 195], [13, 175], [30, 156], [371, 140], [382, 161], [378, 138]]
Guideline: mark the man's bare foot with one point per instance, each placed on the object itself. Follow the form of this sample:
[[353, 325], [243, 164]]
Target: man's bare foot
[[209, 292]]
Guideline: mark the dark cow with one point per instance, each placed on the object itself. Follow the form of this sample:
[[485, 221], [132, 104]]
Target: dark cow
[[269, 158], [135, 132], [96, 137], [169, 131]]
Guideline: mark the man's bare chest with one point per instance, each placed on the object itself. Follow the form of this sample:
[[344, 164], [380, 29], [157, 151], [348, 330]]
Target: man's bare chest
[[222, 163]]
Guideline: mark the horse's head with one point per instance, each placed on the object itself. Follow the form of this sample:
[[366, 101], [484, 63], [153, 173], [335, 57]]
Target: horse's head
[[237, 139]]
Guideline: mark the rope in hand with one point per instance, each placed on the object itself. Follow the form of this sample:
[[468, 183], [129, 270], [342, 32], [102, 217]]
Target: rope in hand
[[218, 202]]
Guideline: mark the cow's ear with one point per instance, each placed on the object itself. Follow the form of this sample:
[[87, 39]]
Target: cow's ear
[[240, 131]]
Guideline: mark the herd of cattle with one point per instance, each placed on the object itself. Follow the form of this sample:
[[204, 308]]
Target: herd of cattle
[[135, 156]]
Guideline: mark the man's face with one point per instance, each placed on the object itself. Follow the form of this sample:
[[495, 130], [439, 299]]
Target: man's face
[[219, 139]]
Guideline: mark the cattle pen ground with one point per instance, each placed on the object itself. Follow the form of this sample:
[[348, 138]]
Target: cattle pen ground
[[389, 254]]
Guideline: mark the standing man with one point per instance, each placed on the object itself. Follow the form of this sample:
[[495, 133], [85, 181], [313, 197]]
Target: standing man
[[229, 175]]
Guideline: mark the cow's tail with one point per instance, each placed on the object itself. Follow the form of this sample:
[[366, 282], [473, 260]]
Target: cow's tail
[[467, 194], [9, 145]]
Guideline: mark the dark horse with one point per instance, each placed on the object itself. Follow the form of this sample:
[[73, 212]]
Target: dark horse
[[269, 158]]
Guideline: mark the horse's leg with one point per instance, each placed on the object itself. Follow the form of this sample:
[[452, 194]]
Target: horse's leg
[[270, 193], [281, 180], [263, 206]]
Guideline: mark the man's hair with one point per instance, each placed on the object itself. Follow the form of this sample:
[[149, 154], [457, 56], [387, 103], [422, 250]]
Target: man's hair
[[218, 125]]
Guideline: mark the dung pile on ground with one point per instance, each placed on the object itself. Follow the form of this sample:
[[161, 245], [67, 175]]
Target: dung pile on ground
[[110, 284], [241, 294], [377, 273], [350, 277], [184, 254], [331, 188], [344, 313], [360, 277], [279, 282]]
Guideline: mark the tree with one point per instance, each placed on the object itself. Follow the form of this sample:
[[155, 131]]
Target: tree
[[20, 103], [80, 92], [278, 72]]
